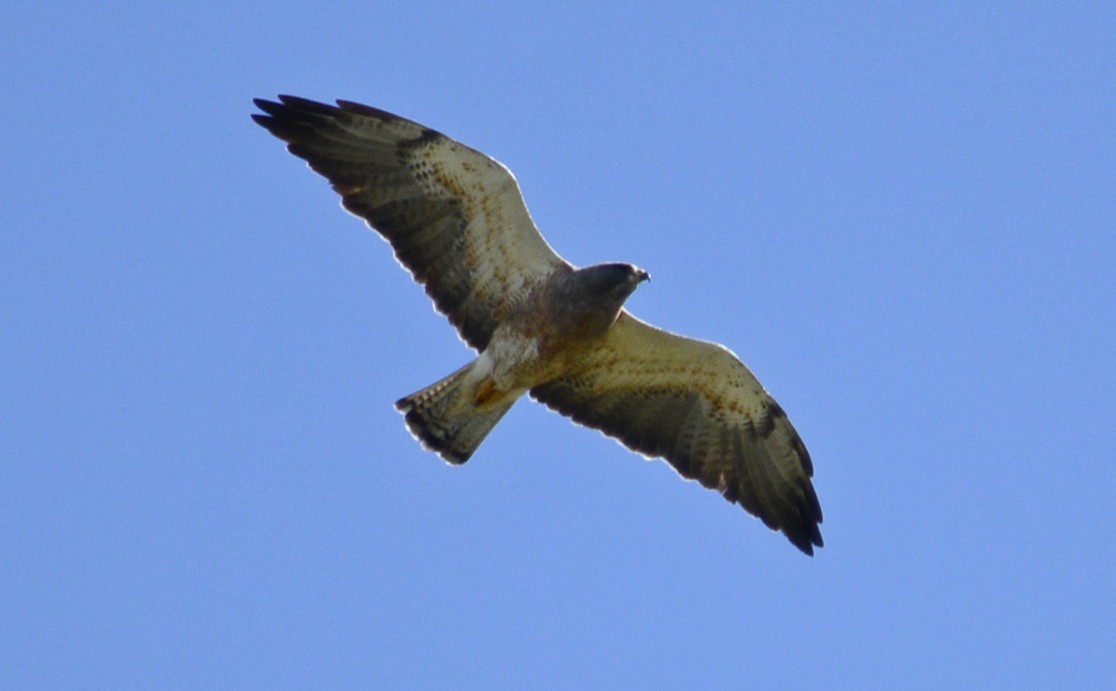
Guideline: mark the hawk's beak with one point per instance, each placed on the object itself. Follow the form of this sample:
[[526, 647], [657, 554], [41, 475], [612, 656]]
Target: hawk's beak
[[643, 275]]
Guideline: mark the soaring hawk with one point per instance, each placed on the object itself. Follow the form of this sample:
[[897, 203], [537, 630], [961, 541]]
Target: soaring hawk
[[456, 220]]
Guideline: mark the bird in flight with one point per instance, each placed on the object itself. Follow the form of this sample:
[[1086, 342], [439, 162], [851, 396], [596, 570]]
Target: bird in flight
[[456, 220]]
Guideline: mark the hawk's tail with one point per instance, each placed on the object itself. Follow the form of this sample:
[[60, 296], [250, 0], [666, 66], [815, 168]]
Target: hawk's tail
[[445, 422]]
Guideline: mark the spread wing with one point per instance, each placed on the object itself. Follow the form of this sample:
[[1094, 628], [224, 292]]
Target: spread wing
[[454, 217], [696, 405]]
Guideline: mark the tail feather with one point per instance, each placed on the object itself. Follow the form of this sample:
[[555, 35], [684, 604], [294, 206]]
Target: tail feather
[[443, 423]]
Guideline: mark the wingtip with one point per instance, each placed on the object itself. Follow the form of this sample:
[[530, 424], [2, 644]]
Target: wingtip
[[804, 546], [267, 106], [806, 541], [300, 102], [287, 103]]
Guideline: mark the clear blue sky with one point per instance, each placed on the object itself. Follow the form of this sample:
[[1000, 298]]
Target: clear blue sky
[[901, 217]]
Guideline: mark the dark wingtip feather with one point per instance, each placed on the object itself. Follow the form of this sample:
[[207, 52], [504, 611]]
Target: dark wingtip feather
[[292, 118], [290, 109], [806, 539], [806, 535], [306, 104], [266, 105]]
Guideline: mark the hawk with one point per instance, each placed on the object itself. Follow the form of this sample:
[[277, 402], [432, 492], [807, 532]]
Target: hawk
[[456, 220]]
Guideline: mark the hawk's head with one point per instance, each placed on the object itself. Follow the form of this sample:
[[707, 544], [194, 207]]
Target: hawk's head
[[588, 300], [602, 289], [610, 284]]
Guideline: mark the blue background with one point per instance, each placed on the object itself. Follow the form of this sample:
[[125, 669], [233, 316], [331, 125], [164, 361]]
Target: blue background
[[900, 216]]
